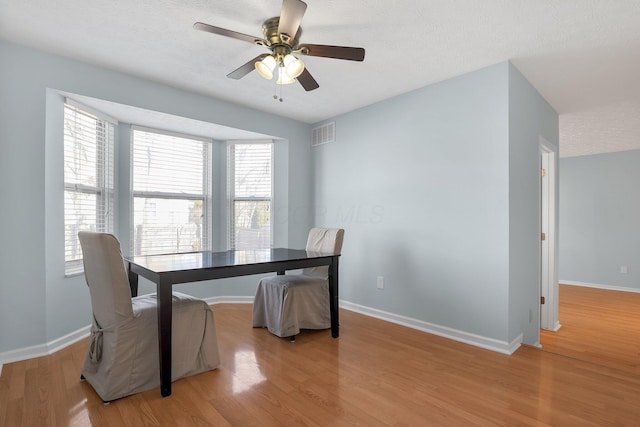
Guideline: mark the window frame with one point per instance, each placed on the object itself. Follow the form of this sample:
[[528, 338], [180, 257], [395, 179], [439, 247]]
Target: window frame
[[231, 197], [207, 185], [104, 189]]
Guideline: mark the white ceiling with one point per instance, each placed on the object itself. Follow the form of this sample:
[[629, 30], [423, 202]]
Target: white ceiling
[[583, 56]]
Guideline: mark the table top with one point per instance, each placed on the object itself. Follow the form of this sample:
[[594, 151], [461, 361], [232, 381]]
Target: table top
[[212, 260]]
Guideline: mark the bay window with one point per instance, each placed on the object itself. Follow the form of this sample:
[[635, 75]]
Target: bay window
[[250, 191], [171, 192], [88, 180]]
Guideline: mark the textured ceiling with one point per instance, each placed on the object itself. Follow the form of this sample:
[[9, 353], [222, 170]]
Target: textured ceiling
[[583, 56]]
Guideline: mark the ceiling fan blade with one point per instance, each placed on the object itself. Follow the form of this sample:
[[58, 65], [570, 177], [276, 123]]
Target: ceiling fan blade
[[245, 69], [227, 33], [291, 16], [307, 81], [337, 52]]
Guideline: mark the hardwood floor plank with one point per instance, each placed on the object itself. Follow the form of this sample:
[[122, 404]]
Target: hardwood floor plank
[[375, 374], [17, 379], [598, 325], [14, 413]]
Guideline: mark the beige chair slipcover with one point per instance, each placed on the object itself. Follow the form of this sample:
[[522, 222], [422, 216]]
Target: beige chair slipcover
[[122, 358], [287, 303]]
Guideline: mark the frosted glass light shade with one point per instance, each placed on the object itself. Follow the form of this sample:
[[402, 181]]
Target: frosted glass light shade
[[294, 66], [283, 77], [266, 66]]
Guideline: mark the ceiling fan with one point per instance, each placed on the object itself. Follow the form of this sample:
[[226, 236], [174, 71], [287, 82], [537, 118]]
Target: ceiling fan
[[282, 37]]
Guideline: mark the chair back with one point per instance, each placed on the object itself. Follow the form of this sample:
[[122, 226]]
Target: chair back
[[328, 240], [106, 277]]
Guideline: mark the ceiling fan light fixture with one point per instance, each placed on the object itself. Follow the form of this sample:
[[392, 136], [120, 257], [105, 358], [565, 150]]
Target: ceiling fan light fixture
[[283, 77], [266, 66], [293, 65], [281, 35]]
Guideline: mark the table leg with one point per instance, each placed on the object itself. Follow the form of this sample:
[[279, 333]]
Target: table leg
[[333, 297], [133, 282], [164, 336]]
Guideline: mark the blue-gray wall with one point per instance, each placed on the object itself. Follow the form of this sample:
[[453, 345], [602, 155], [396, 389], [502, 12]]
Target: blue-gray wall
[[421, 184], [600, 219], [530, 117]]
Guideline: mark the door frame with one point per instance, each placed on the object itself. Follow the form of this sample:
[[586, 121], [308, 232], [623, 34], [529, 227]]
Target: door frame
[[549, 226]]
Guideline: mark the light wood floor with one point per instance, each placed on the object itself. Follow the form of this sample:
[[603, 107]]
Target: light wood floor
[[599, 326], [375, 374]]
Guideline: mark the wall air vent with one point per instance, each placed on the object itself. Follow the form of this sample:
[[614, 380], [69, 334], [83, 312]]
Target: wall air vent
[[323, 134]]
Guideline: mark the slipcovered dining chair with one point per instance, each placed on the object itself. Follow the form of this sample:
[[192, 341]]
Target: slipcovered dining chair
[[285, 304], [122, 358]]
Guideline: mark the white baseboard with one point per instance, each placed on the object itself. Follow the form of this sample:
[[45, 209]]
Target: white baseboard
[[503, 347], [230, 300], [599, 286], [44, 349]]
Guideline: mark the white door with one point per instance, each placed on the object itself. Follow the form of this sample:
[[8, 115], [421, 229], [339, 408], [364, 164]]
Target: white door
[[548, 276]]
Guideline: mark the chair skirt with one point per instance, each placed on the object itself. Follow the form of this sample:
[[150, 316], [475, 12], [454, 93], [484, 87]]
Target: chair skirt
[[123, 359], [286, 304]]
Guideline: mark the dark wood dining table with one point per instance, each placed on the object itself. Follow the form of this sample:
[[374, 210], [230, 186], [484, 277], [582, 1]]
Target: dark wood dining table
[[168, 270]]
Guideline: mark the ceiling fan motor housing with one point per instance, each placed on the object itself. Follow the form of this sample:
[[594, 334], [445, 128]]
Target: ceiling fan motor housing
[[280, 44]]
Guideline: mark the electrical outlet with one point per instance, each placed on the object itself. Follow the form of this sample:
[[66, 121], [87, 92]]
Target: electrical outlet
[[380, 282], [624, 269]]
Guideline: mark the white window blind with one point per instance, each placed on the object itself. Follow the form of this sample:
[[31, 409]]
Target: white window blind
[[250, 190], [88, 180], [171, 188]]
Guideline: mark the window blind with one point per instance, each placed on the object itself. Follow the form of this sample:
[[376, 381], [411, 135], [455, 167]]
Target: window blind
[[88, 180], [171, 193], [250, 193]]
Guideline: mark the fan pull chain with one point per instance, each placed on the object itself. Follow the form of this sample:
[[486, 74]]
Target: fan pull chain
[[275, 95]]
